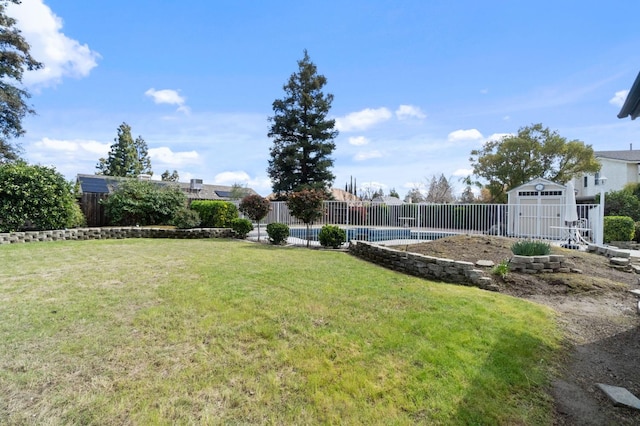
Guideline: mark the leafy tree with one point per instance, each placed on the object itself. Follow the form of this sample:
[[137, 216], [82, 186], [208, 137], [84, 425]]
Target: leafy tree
[[440, 190], [170, 177], [139, 202], [303, 136], [256, 207], [393, 193], [534, 152], [414, 196], [307, 206], [36, 197], [467, 196], [621, 203], [127, 157], [238, 191], [15, 59]]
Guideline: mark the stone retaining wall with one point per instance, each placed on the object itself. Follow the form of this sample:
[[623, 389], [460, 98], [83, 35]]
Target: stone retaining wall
[[538, 264], [429, 267], [112, 233]]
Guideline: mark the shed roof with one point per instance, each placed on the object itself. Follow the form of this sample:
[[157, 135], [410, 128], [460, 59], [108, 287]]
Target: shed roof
[[631, 106]]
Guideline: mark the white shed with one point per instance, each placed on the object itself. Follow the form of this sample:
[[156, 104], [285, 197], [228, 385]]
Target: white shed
[[535, 208]]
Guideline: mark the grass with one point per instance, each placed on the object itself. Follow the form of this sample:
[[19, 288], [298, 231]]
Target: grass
[[213, 331]]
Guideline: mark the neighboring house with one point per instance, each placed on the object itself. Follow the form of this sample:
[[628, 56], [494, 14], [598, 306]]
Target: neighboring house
[[618, 167], [93, 188], [388, 200]]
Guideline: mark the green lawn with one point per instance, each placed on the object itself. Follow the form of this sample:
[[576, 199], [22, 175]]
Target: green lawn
[[216, 331]]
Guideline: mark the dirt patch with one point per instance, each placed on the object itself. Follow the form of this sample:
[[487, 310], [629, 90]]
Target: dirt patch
[[596, 311]]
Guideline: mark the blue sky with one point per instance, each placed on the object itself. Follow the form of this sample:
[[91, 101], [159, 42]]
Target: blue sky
[[417, 84]]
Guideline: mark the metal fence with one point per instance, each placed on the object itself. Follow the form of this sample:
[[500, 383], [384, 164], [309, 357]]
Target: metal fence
[[380, 222]]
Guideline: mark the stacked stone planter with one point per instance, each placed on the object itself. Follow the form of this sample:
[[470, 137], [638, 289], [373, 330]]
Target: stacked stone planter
[[113, 233], [447, 270], [541, 264]]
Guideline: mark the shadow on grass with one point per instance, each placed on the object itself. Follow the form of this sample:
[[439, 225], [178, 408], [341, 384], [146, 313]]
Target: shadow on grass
[[507, 371]]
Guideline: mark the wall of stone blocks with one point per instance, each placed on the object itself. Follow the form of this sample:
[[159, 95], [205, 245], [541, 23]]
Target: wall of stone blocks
[[539, 264], [112, 233], [447, 270]]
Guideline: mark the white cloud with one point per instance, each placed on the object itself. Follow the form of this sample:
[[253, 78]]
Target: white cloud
[[358, 140], [165, 156], [362, 156], [619, 98], [409, 111], [484, 91], [464, 135], [498, 136], [362, 120], [73, 146], [60, 55], [462, 172], [229, 178], [168, 96], [259, 184]]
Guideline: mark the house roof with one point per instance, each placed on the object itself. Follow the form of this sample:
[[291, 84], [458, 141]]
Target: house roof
[[545, 182], [631, 106], [106, 184], [624, 155], [388, 200]]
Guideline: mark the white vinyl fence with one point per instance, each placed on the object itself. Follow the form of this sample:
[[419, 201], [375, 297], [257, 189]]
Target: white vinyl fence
[[421, 222]]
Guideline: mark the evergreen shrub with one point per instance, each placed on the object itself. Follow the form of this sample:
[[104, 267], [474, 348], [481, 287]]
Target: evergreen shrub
[[278, 233], [332, 236], [531, 248], [241, 227]]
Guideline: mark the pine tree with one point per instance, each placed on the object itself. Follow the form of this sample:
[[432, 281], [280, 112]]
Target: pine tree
[[302, 134], [14, 60], [127, 158]]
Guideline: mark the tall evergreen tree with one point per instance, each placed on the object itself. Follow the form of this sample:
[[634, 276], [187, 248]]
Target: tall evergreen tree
[[127, 157], [14, 60], [302, 134]]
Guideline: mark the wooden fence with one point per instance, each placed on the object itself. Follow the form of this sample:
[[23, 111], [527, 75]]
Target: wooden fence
[[93, 211]]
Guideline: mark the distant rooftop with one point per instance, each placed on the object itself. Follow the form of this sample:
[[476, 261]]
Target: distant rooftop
[[624, 155]]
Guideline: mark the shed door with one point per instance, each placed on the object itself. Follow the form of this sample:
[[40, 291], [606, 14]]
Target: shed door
[[536, 212]]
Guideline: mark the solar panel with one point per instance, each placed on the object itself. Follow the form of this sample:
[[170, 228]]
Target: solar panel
[[91, 184], [223, 194]]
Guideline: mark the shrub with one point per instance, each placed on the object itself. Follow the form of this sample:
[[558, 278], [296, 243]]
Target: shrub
[[36, 197], [501, 269], [531, 248], [215, 213], [278, 233], [636, 236], [332, 236], [241, 227], [618, 228], [138, 202], [186, 218]]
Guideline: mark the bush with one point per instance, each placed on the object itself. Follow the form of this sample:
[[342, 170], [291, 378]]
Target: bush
[[636, 236], [241, 227], [36, 197], [138, 202], [186, 218], [501, 269], [278, 233], [618, 228], [332, 236], [215, 214], [531, 248]]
